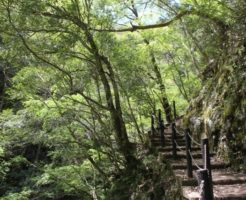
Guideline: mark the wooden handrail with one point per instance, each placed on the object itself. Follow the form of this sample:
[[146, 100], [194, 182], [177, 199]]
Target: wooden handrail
[[188, 154]]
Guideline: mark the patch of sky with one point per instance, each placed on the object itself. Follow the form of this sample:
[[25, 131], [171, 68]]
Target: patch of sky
[[149, 12]]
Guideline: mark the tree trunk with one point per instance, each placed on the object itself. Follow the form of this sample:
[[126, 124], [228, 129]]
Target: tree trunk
[[113, 103], [2, 88], [164, 100]]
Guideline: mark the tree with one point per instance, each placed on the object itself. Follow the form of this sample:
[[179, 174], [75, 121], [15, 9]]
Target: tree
[[79, 19]]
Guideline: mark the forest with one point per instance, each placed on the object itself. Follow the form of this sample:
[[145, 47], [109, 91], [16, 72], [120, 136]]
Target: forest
[[80, 80]]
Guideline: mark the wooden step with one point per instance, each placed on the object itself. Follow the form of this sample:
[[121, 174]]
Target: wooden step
[[168, 143], [220, 177], [179, 140], [227, 177], [181, 164], [167, 137], [221, 192], [182, 155], [170, 148]]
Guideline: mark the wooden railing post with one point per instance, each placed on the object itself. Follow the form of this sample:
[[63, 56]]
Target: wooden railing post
[[159, 117], [173, 140], [152, 124], [174, 110], [188, 153], [204, 184], [206, 162], [206, 156], [162, 127]]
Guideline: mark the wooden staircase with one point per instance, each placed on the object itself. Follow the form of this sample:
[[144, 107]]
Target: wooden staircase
[[227, 185]]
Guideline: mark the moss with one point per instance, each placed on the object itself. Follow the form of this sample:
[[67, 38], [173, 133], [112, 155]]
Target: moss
[[185, 121], [230, 106], [228, 110]]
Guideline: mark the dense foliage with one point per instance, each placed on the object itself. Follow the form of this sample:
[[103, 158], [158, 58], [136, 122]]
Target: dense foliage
[[79, 80]]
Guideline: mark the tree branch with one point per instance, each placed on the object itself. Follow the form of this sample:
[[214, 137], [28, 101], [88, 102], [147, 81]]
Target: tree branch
[[144, 27], [35, 54]]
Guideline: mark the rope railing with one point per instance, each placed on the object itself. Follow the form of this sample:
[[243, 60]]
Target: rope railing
[[178, 132], [193, 140], [194, 161], [179, 147], [190, 161], [204, 174], [182, 133]]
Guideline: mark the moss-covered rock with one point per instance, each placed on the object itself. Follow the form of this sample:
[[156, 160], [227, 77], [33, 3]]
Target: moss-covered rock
[[219, 111]]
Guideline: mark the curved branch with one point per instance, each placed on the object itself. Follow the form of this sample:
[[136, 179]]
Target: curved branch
[[144, 27]]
